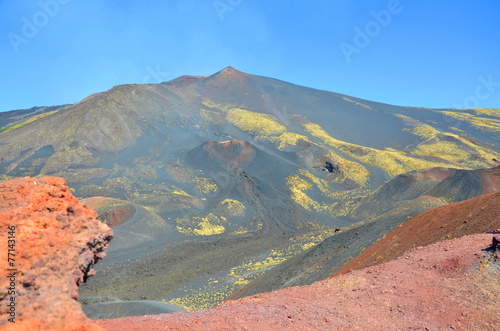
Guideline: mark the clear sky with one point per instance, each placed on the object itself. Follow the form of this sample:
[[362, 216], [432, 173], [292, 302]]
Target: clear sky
[[428, 53]]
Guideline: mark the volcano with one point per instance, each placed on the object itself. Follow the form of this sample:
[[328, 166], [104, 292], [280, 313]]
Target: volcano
[[215, 184]]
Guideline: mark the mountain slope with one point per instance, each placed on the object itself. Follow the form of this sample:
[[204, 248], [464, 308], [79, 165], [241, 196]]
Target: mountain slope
[[448, 285], [218, 162], [476, 215], [392, 207]]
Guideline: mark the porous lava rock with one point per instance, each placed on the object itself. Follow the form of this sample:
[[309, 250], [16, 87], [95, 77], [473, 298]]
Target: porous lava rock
[[57, 240]]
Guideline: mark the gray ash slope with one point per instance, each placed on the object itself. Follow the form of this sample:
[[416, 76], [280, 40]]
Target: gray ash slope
[[401, 203]]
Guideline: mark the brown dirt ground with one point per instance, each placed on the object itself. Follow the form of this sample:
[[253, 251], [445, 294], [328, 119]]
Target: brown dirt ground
[[453, 284]]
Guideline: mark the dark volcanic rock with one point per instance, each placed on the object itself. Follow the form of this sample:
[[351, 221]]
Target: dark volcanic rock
[[57, 242]]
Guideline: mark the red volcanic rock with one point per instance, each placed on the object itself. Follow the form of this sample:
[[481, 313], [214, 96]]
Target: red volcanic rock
[[232, 152], [476, 215], [57, 240], [112, 212], [437, 173], [490, 179], [448, 285]]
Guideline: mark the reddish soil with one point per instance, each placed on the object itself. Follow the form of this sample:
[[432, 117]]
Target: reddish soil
[[233, 152], [121, 212], [452, 284], [476, 215], [57, 241], [490, 179], [438, 173]]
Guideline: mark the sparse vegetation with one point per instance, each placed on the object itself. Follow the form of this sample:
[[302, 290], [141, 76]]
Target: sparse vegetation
[[7, 129], [258, 124], [481, 123], [202, 226]]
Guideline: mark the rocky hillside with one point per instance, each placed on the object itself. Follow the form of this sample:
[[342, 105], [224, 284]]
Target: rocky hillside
[[55, 242], [450, 285], [477, 215]]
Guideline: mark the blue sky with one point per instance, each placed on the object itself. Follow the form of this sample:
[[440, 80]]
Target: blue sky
[[427, 53]]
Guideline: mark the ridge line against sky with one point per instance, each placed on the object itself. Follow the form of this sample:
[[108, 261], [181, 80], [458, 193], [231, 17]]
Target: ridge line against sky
[[409, 53]]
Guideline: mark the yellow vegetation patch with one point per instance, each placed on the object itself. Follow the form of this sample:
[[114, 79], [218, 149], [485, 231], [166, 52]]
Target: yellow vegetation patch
[[320, 183], [205, 185], [458, 149], [202, 226], [239, 231], [357, 103], [350, 170], [452, 128], [275, 257], [308, 245], [180, 172], [481, 123], [425, 131], [487, 111], [297, 186], [219, 106], [241, 281], [212, 116], [408, 120], [233, 207], [29, 120], [393, 162], [288, 139], [202, 299], [258, 124], [213, 291], [178, 191], [389, 161]]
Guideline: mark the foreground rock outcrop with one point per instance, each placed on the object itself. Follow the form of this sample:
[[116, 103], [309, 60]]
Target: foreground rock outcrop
[[449, 285], [54, 240]]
